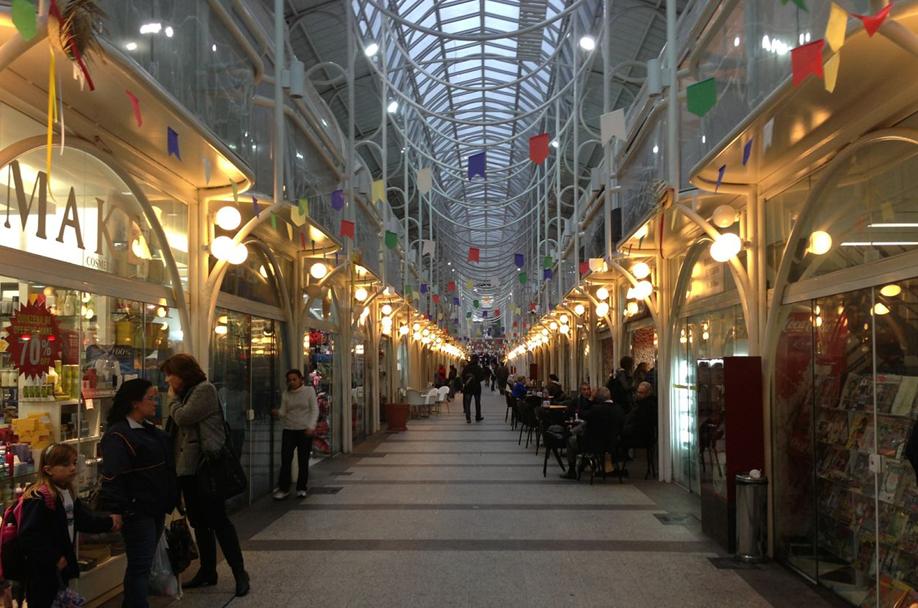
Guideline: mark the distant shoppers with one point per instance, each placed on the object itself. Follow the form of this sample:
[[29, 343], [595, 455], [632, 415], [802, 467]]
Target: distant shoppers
[[503, 375], [52, 514], [452, 381], [440, 377], [197, 427], [299, 413], [138, 481], [621, 385], [472, 375], [487, 376], [583, 402]]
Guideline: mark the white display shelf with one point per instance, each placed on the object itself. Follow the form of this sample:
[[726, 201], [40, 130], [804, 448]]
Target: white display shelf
[[102, 582]]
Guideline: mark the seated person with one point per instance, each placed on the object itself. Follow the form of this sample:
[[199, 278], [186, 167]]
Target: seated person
[[519, 388], [641, 422], [601, 429], [554, 389], [583, 402]]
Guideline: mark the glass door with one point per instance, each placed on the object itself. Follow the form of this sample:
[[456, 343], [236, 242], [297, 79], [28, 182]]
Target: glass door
[[265, 451]]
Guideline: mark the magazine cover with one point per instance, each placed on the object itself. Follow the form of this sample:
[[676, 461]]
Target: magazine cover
[[903, 404], [887, 387]]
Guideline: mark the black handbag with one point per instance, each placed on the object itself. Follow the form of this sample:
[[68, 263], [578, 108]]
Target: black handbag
[[182, 550], [220, 475]]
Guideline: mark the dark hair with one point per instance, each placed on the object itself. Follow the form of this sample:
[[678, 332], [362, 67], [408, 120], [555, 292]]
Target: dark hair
[[553, 377], [626, 362], [294, 371], [128, 394], [186, 368]]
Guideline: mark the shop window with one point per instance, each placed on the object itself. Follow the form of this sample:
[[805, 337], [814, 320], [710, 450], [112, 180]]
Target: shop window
[[253, 279], [103, 341], [846, 503]]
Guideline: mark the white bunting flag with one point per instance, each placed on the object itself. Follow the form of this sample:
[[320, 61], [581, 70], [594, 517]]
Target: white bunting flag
[[612, 125], [425, 180]]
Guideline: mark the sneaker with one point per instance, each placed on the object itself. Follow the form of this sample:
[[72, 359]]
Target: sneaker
[[301, 493], [281, 495]]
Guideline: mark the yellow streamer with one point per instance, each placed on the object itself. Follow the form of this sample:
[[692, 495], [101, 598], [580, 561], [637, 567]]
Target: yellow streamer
[[52, 112]]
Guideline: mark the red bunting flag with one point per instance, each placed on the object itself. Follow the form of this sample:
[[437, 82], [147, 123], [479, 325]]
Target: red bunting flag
[[474, 254], [584, 267], [873, 22], [497, 312], [451, 286], [806, 60], [436, 298], [516, 324], [135, 105], [347, 229], [538, 148]]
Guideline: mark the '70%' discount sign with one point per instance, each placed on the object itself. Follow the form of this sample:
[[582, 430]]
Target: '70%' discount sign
[[33, 338]]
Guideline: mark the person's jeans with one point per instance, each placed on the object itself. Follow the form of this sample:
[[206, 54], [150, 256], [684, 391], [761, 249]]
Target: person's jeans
[[141, 535], [210, 523], [302, 443], [467, 405]]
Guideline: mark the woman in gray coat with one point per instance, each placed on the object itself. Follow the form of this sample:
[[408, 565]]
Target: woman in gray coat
[[196, 422]]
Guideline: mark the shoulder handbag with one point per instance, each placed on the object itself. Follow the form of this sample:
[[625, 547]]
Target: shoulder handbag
[[220, 474]]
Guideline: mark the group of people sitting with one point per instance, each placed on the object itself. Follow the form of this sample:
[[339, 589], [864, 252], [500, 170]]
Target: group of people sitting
[[613, 419]]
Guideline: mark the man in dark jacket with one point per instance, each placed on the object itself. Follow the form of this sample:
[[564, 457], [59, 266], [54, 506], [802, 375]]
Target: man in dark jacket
[[583, 402], [472, 375], [641, 422], [503, 374], [600, 430], [621, 385]]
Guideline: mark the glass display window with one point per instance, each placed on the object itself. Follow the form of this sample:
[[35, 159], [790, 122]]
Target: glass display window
[[319, 353], [101, 341], [846, 381]]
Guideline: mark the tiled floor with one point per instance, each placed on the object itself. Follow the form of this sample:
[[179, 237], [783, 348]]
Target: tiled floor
[[450, 514]]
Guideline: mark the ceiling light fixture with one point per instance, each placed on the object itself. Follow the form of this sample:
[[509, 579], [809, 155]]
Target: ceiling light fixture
[[371, 49], [588, 43]]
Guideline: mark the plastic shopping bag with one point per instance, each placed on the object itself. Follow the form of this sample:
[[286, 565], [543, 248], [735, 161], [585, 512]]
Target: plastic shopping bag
[[68, 598], [162, 580]]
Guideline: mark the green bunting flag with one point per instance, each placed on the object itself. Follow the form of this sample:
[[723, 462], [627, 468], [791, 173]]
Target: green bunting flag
[[476, 303], [468, 315], [701, 96], [303, 204], [274, 220], [25, 18], [801, 4], [547, 262], [523, 278], [391, 239]]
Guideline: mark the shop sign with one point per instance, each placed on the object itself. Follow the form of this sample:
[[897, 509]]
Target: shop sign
[[70, 219], [34, 339], [707, 280]]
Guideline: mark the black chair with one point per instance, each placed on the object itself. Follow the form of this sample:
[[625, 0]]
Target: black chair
[[554, 439], [509, 411]]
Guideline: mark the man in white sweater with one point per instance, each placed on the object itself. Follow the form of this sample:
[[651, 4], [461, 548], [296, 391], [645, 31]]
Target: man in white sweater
[[299, 412]]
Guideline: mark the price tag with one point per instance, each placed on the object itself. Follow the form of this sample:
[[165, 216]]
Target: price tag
[[89, 404]]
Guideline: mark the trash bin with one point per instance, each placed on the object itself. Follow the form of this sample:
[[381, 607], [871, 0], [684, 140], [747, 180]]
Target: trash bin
[[751, 518]]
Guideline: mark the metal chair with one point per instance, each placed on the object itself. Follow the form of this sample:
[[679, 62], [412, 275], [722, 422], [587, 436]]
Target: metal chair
[[443, 397], [432, 400], [416, 401]]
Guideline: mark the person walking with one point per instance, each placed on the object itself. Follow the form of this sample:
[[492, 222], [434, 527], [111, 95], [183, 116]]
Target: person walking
[[52, 514], [452, 380], [138, 481], [472, 375], [503, 375], [197, 427], [487, 376], [299, 412]]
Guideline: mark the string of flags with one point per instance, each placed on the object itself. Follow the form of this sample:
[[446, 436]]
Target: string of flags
[[806, 61]]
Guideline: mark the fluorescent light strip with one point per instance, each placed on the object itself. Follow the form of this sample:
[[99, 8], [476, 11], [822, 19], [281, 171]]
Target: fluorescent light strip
[[879, 244], [894, 225]]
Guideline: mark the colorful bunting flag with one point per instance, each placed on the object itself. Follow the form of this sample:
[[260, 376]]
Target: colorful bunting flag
[[172, 143], [303, 239], [836, 27], [484, 314], [379, 191], [337, 200], [428, 247], [768, 132], [538, 148], [469, 285], [547, 261], [297, 217], [468, 315], [873, 22], [497, 312], [546, 274], [612, 124], [436, 299], [806, 61], [477, 164], [747, 152], [519, 259], [391, 239], [474, 254], [347, 229], [720, 177], [451, 286], [135, 105], [597, 264], [425, 180], [208, 168], [701, 96], [524, 278], [830, 72], [584, 267], [235, 188], [423, 287], [476, 303], [25, 18], [456, 301], [274, 220]]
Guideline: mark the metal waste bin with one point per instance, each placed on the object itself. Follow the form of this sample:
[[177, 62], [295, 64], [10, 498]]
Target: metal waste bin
[[751, 518]]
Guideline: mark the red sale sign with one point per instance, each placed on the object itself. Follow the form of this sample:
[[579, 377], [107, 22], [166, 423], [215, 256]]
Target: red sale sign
[[34, 339]]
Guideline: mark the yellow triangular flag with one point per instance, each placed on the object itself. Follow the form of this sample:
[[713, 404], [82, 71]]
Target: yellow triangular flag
[[289, 232], [297, 216], [469, 285], [379, 191], [830, 71], [836, 27]]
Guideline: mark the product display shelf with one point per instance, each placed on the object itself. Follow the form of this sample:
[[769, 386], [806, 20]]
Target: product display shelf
[[103, 581], [849, 491]]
